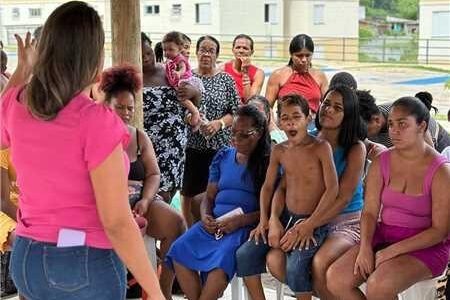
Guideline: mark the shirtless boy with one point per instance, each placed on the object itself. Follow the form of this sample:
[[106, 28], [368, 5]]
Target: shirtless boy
[[309, 177]]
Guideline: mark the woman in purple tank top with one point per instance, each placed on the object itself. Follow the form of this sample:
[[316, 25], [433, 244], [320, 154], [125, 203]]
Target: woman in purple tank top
[[407, 240]]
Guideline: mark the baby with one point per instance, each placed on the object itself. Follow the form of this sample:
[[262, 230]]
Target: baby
[[178, 71]]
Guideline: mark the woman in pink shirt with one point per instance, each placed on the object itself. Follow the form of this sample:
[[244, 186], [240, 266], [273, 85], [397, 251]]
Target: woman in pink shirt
[[74, 223], [407, 186]]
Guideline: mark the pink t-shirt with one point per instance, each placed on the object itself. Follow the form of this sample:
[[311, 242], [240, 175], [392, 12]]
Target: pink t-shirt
[[53, 159]]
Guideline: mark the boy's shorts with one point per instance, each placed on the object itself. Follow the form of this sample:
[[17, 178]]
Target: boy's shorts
[[298, 261]]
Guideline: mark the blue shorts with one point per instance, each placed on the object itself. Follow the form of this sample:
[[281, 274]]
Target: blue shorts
[[251, 257], [42, 271]]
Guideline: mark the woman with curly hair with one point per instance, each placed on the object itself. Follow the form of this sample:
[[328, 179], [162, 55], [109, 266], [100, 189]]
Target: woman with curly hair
[[120, 85]]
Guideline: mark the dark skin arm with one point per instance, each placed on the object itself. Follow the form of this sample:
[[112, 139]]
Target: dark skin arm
[[209, 223], [152, 174]]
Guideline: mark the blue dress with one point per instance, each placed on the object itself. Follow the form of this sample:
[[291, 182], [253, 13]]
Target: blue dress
[[197, 249]]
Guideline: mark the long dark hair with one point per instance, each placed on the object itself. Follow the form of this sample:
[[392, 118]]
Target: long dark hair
[[352, 128], [159, 52], [259, 159], [68, 58]]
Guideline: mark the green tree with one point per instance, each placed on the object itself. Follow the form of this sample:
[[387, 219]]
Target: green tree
[[407, 8]]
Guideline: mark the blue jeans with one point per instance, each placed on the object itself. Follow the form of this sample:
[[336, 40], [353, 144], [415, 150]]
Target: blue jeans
[[42, 271]]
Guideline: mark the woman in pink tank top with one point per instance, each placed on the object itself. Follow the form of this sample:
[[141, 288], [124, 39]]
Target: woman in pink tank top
[[409, 242], [248, 78], [298, 76]]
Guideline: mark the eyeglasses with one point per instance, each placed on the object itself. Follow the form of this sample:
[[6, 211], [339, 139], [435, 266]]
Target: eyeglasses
[[243, 135], [204, 51]]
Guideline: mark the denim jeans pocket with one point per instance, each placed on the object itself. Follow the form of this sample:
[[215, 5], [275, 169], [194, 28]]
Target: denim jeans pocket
[[66, 269]]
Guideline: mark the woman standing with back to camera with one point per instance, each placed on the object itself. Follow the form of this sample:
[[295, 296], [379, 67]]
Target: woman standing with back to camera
[[74, 220]]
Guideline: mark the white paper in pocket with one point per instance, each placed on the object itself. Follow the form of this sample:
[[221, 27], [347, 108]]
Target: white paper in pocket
[[71, 238]]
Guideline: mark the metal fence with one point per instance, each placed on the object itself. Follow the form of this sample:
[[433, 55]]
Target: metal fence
[[408, 50]]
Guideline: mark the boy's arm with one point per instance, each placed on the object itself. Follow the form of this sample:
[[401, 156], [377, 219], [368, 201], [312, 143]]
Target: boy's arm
[[265, 196], [279, 199], [268, 186]]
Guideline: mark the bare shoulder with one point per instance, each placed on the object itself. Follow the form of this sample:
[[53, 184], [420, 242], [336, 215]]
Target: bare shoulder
[[356, 150], [281, 72], [143, 138], [321, 145], [318, 75]]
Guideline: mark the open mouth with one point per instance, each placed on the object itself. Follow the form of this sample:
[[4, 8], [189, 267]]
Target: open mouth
[[292, 133]]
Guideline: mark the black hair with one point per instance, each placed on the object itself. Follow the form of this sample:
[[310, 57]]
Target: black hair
[[244, 36], [3, 61], [159, 52], [263, 100], [294, 100], [415, 108], [426, 99], [211, 38], [344, 78], [186, 38], [367, 105], [118, 79], [352, 128], [145, 39], [299, 42], [259, 159]]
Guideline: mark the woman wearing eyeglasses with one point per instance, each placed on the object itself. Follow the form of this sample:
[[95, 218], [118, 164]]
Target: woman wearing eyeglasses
[[236, 175], [219, 102]]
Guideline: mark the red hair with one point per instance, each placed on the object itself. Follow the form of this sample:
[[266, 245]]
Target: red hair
[[120, 78]]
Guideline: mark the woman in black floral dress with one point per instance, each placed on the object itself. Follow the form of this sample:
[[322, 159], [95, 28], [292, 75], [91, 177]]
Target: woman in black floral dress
[[163, 122], [219, 102]]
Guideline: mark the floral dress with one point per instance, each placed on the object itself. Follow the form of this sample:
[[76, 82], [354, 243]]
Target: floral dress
[[163, 123]]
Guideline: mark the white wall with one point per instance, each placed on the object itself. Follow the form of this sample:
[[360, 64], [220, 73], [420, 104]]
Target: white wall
[[340, 18], [438, 47]]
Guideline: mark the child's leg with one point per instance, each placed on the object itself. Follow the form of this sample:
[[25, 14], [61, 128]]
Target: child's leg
[[276, 262]]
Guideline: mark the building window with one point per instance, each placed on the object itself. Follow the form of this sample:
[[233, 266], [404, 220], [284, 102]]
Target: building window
[[152, 10], [15, 13], [318, 14], [440, 26], [35, 12], [203, 13], [176, 10], [270, 13]]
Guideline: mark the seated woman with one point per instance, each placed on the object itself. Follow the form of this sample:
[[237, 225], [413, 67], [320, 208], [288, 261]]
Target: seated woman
[[249, 79], [120, 85], [410, 241], [235, 178]]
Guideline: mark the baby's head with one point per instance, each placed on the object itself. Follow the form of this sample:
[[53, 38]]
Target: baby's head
[[172, 44], [293, 114]]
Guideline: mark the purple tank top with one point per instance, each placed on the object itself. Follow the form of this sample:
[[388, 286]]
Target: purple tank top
[[400, 209]]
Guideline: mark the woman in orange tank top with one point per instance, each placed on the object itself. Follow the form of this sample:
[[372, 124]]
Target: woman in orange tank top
[[298, 76], [249, 79]]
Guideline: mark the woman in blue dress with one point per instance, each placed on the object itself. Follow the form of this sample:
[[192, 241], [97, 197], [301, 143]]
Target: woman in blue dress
[[236, 175]]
